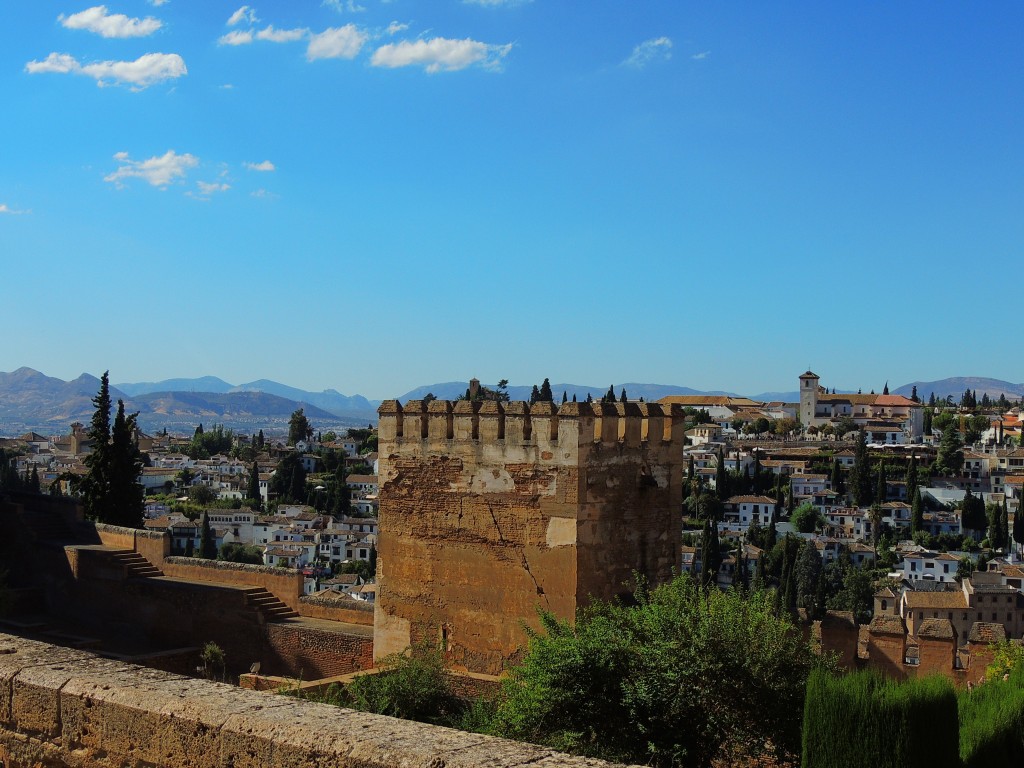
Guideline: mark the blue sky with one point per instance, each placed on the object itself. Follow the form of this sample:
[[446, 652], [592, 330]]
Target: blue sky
[[375, 195]]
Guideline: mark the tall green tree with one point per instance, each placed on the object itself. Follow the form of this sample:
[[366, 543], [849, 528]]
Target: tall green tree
[[972, 512], [917, 512], [949, 459], [881, 492], [545, 391], [127, 496], [860, 473], [94, 488], [207, 539], [253, 488], [912, 476], [808, 574], [1018, 525], [299, 427], [711, 553], [836, 480]]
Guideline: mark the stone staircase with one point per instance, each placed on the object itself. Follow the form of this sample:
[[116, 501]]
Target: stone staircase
[[269, 606], [135, 565]]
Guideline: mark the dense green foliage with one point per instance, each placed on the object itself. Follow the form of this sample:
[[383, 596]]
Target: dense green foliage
[[806, 518], [413, 686], [110, 490], [673, 680], [235, 552], [864, 720], [210, 442], [299, 427], [992, 721]]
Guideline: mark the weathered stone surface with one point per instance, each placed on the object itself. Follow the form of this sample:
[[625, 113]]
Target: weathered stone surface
[[486, 521], [97, 712]]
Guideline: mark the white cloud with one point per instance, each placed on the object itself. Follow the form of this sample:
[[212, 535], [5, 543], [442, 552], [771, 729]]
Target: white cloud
[[440, 54], [281, 35], [158, 3], [209, 188], [245, 13], [60, 63], [336, 43], [145, 71], [266, 165], [4, 208], [394, 28], [98, 20], [648, 51], [344, 5], [264, 194], [237, 37], [701, 56], [157, 171]]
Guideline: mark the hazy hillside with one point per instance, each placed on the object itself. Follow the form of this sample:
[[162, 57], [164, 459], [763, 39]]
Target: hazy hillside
[[29, 400], [202, 384], [956, 386]]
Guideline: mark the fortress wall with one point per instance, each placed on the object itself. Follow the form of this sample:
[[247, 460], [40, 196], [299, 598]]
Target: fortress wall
[[310, 654], [61, 707], [351, 612], [489, 511], [284, 583]]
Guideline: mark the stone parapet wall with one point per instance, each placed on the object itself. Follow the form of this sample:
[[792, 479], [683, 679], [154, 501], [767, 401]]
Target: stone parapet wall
[[284, 583], [155, 546], [349, 611], [311, 654], [62, 707]]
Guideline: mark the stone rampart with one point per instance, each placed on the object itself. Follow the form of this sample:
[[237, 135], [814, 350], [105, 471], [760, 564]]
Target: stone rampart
[[490, 510], [62, 707], [284, 583], [347, 609]]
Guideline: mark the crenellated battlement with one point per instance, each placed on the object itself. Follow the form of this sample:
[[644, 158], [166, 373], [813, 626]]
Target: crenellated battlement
[[440, 422]]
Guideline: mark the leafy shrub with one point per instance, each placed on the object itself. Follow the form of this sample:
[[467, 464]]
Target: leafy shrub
[[413, 686]]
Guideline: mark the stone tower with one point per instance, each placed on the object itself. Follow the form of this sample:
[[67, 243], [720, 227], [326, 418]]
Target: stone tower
[[490, 510], [808, 397]]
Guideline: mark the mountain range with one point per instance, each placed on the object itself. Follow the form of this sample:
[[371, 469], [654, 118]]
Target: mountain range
[[30, 400]]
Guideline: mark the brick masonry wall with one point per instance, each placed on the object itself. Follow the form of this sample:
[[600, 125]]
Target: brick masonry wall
[[61, 707], [310, 654]]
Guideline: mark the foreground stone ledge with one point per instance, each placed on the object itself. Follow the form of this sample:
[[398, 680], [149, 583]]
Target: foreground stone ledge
[[64, 707]]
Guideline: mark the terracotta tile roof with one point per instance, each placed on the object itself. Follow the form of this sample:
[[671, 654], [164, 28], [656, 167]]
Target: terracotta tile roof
[[887, 625], [934, 600], [750, 500], [986, 632], [938, 629]]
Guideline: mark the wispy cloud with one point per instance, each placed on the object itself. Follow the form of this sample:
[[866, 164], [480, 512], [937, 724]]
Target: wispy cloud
[[147, 70], [209, 188], [246, 14], [236, 37], [265, 166], [394, 28], [281, 35], [158, 171], [648, 51], [5, 209], [157, 3], [440, 54], [701, 56], [336, 43], [99, 20], [344, 5], [263, 194]]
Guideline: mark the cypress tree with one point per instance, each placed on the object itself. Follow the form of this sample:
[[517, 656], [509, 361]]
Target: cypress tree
[[912, 476], [610, 397], [881, 492], [545, 392], [1004, 525], [1018, 525], [297, 484], [711, 555], [917, 512], [253, 489], [534, 395], [33, 481], [344, 497], [622, 396], [207, 540], [860, 474], [127, 496], [565, 397], [837, 477], [721, 477], [807, 575], [95, 486]]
